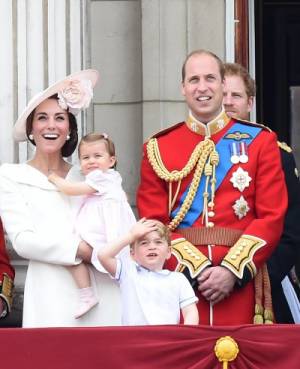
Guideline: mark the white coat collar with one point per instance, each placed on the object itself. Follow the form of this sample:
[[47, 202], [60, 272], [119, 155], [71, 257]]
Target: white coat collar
[[26, 174]]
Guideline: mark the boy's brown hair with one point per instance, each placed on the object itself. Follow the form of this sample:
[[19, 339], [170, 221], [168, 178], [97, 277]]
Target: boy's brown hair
[[162, 230]]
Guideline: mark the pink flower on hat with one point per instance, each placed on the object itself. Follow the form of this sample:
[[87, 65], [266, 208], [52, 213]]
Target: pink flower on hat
[[76, 95]]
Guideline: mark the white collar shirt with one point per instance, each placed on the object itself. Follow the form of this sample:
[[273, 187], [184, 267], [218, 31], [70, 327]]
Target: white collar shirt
[[151, 297]]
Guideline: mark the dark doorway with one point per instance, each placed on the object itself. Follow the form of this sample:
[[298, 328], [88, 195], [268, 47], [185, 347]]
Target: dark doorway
[[277, 37]]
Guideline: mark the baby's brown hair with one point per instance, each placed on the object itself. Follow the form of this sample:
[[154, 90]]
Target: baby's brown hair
[[94, 137]]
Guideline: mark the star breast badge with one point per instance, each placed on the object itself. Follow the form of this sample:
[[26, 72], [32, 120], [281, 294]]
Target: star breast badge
[[241, 207], [240, 179]]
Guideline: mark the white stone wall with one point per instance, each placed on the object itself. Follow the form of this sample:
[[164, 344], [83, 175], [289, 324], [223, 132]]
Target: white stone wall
[[139, 47], [115, 31], [172, 29], [41, 42]]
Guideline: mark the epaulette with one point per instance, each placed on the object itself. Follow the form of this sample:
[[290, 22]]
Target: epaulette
[[165, 130], [284, 146], [254, 124]]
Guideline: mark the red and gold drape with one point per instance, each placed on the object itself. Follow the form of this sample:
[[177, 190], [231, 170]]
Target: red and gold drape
[[151, 347]]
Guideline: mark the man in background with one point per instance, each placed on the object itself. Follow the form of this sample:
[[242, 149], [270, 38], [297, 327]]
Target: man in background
[[239, 94]]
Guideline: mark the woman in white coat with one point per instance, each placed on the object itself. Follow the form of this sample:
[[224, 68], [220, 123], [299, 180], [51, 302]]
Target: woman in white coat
[[39, 219]]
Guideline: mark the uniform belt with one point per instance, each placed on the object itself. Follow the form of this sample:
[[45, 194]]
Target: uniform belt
[[211, 236]]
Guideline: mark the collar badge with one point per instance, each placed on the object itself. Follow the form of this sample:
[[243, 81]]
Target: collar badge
[[220, 123], [194, 127]]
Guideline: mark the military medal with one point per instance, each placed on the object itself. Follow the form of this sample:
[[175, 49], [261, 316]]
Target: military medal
[[243, 152], [241, 207], [234, 153], [240, 179]]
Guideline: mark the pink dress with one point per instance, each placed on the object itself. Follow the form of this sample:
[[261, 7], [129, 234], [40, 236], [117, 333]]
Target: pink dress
[[104, 215]]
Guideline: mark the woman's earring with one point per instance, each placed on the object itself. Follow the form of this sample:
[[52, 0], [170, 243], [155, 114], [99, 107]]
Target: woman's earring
[[31, 136], [68, 137]]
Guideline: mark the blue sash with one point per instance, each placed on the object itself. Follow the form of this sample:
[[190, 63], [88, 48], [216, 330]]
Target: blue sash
[[223, 148]]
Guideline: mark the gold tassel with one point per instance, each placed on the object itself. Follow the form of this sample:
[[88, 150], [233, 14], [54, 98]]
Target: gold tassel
[[258, 310], [268, 308], [263, 299]]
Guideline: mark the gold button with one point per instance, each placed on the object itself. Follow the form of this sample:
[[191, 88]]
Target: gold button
[[233, 257], [210, 224]]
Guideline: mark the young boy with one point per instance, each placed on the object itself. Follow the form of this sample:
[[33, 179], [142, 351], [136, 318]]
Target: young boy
[[150, 294]]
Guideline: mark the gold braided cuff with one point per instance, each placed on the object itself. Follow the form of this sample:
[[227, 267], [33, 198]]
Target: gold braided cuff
[[189, 256], [6, 289], [241, 255]]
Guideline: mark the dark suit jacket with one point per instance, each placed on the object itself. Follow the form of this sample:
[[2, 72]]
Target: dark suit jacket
[[285, 255]]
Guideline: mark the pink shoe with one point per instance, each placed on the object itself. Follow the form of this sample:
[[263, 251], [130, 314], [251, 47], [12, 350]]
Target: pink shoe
[[87, 301]]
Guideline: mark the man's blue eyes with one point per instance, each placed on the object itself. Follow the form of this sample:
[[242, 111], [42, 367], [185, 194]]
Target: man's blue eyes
[[208, 78]]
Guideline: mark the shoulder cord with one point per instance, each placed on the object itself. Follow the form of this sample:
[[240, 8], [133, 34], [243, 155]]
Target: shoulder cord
[[203, 152]]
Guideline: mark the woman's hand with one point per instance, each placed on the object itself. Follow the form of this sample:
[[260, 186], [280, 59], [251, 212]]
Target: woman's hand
[[52, 177]]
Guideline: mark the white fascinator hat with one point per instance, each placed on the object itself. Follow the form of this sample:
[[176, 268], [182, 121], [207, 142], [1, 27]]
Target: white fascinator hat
[[74, 94]]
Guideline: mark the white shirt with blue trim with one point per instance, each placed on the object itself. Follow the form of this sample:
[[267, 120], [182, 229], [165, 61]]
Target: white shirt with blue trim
[[151, 297]]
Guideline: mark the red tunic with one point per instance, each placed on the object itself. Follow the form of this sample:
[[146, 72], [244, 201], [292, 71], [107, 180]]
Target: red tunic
[[7, 272], [262, 224]]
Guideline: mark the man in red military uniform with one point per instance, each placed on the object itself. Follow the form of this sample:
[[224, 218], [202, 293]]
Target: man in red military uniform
[[7, 275], [219, 185]]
